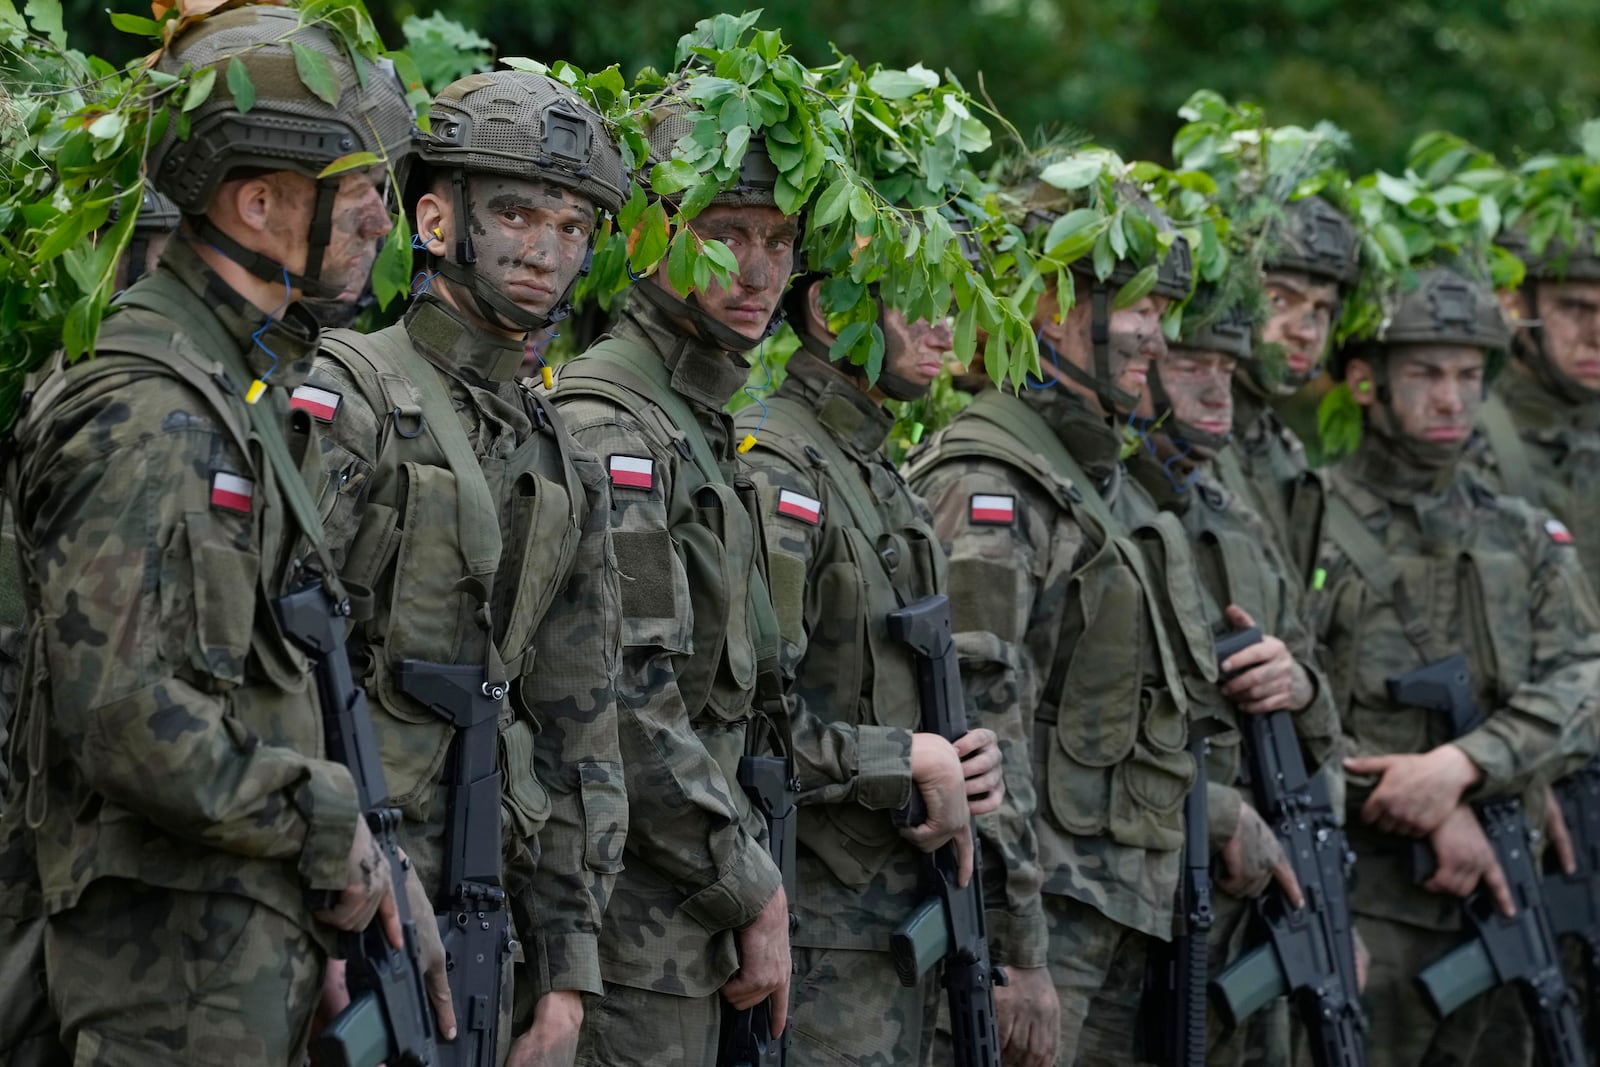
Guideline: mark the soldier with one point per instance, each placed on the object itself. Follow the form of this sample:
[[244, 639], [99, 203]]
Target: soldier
[[1190, 404], [458, 495], [1063, 653], [176, 798], [1420, 560], [1312, 267], [848, 543]]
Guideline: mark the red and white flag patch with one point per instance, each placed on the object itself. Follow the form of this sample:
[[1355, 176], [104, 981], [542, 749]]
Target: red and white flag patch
[[1558, 531], [321, 404], [989, 510], [799, 506], [632, 472], [231, 492]]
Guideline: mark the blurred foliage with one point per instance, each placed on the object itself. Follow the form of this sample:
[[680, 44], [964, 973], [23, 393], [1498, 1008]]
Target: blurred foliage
[[1504, 74]]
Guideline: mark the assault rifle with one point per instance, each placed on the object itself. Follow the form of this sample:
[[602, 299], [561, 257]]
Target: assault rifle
[[1519, 948], [1573, 900], [389, 1018], [950, 924], [475, 925], [1308, 953]]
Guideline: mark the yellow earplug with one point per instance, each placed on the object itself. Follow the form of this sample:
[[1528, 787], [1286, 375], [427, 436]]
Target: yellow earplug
[[439, 233], [257, 389], [549, 377], [747, 444]]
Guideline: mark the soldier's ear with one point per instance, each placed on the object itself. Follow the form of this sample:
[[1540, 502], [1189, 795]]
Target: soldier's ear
[[433, 222], [817, 320], [1362, 381]]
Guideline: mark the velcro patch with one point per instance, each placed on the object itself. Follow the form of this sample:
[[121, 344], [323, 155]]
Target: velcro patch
[[799, 506], [1558, 531], [632, 472], [988, 510], [231, 492], [321, 404]]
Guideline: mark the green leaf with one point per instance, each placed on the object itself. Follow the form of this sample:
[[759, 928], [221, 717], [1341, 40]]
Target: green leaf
[[316, 73], [720, 255], [199, 89], [680, 263], [1075, 173], [738, 141], [861, 204], [108, 125], [1137, 289], [833, 202], [353, 161], [45, 15], [1589, 137], [391, 271], [966, 336], [672, 176], [240, 85], [899, 84], [648, 239], [135, 24], [1398, 190]]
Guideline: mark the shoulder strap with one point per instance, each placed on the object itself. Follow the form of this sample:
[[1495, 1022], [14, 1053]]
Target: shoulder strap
[[1516, 468], [1010, 415], [1369, 557]]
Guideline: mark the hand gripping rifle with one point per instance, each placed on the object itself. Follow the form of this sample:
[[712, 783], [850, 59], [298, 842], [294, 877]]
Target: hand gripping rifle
[[950, 925], [1519, 948], [1309, 953], [389, 1019]]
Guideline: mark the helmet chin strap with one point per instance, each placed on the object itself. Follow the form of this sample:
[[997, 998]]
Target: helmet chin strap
[[1102, 382], [308, 281]]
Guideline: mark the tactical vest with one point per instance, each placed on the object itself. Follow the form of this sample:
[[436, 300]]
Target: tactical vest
[[1111, 728], [1560, 473], [454, 541], [715, 522], [1274, 481], [879, 553]]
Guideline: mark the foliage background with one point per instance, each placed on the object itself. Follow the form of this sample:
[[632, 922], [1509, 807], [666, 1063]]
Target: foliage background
[[1505, 74]]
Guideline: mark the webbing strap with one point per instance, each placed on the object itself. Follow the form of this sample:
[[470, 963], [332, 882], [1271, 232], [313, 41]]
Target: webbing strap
[[1011, 416], [1516, 467], [1368, 555]]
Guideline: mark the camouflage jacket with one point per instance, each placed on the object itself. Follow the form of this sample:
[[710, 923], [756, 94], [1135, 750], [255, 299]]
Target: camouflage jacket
[[1265, 466], [690, 560], [1064, 655], [1545, 449], [849, 542], [1485, 575], [174, 735], [394, 511], [1237, 563]]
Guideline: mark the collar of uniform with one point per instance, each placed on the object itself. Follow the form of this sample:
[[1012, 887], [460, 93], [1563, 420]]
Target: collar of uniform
[[280, 353], [1146, 468], [1540, 412], [1382, 469], [700, 372], [453, 344], [841, 405], [1092, 438]]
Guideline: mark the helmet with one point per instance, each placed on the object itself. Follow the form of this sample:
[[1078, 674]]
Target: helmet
[[1444, 308], [1560, 261], [158, 216], [288, 128], [1319, 239], [523, 125]]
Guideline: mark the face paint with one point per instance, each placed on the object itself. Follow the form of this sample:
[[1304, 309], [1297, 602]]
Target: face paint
[[1300, 321], [762, 239], [1570, 313], [1136, 342], [530, 238], [914, 352], [1433, 393], [360, 218]]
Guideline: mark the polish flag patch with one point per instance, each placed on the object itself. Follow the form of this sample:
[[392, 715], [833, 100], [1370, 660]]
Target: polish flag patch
[[799, 506], [993, 510], [1558, 532], [321, 404], [231, 492], [632, 472]]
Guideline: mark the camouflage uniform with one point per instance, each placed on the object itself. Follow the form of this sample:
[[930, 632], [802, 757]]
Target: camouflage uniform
[[395, 511], [849, 543], [1065, 655], [177, 799], [697, 628], [1265, 467], [1489, 576]]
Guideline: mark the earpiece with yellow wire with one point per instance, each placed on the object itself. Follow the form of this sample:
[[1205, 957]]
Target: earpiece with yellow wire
[[752, 392]]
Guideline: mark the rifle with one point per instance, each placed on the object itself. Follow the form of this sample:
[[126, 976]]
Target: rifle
[[389, 1018], [1173, 1011], [950, 924], [746, 1039], [1520, 948], [1573, 900], [476, 925], [1309, 953]]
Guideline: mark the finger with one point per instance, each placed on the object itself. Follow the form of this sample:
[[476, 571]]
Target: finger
[[444, 1008], [1496, 880], [1562, 840], [963, 841], [780, 1006], [740, 992], [1005, 1020], [1367, 764], [1248, 657], [981, 763], [975, 740], [389, 915], [1283, 873], [1239, 618]]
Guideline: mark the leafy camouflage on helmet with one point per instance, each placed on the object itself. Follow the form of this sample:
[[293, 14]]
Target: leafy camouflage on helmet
[[1319, 239], [525, 125], [1447, 308], [671, 126], [297, 122], [1556, 260], [1219, 324]]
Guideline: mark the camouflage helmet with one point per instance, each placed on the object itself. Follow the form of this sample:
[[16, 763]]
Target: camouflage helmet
[[525, 125], [670, 122], [1317, 238], [1445, 308], [157, 212], [1232, 333], [288, 127], [1560, 261]]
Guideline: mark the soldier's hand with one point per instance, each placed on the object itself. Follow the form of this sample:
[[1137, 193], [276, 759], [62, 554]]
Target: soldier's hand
[[368, 890], [1253, 857], [1417, 792], [1555, 825], [980, 762], [936, 773], [1028, 1018], [764, 963], [1268, 677], [552, 1040], [1363, 960], [1466, 858], [431, 950]]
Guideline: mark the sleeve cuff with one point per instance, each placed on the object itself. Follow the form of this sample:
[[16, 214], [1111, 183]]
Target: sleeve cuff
[[1495, 758], [563, 962], [734, 900], [327, 802], [883, 767], [1019, 938], [1222, 814]]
